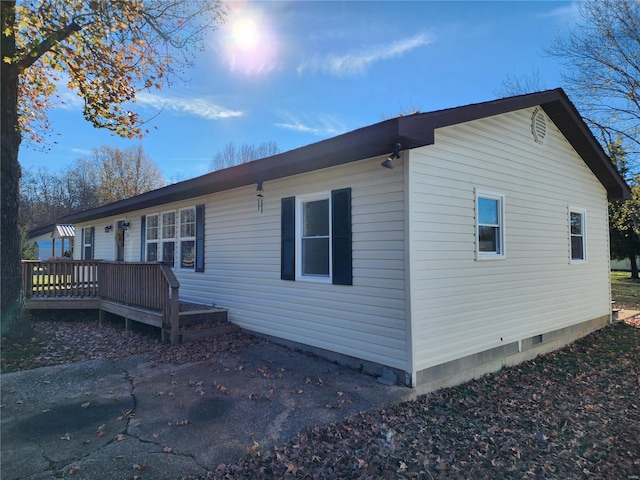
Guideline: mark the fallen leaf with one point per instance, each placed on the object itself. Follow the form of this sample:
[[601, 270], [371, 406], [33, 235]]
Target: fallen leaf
[[86, 405], [66, 436], [119, 437], [167, 449]]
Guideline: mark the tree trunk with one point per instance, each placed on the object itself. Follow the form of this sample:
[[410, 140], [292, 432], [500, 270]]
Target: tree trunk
[[13, 323], [634, 267]]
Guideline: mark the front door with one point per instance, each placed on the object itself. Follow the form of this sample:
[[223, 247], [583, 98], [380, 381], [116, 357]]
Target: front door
[[120, 241]]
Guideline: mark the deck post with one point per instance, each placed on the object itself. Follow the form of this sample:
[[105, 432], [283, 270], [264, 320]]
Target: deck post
[[174, 316]]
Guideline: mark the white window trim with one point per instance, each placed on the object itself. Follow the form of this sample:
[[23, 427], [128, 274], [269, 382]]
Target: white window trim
[[300, 199], [148, 241], [91, 244], [482, 256], [162, 240], [571, 209], [177, 239], [180, 239]]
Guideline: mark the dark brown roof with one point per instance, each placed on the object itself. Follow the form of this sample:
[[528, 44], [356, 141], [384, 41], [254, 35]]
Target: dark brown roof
[[379, 139]]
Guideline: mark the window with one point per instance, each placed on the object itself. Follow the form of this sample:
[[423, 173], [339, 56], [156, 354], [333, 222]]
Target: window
[[489, 225], [187, 238], [163, 233], [88, 234], [315, 251], [577, 235], [152, 238], [316, 237], [168, 237]]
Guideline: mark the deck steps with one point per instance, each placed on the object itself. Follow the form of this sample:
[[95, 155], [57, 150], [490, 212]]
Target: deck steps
[[199, 322]]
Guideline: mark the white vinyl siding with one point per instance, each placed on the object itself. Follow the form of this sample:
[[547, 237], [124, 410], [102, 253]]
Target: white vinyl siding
[[460, 306], [365, 320]]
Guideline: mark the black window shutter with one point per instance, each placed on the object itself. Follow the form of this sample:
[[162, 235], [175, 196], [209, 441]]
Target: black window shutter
[[143, 238], [341, 237], [199, 238], [288, 239], [82, 254]]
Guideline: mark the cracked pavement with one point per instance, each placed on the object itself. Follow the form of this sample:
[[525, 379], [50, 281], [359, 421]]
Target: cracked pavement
[[137, 419]]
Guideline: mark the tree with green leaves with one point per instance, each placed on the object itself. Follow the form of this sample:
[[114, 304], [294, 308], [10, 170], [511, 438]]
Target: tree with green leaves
[[624, 216], [105, 50]]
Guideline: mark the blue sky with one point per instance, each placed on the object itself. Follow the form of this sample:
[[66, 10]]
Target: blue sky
[[297, 72]]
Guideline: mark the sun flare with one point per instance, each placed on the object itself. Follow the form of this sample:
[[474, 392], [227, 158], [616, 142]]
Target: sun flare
[[250, 45], [245, 33]]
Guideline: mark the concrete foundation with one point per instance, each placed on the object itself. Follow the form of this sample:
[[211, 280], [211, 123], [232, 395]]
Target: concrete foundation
[[463, 369]]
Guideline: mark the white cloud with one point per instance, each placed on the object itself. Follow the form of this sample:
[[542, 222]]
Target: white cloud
[[198, 107], [81, 151], [194, 106], [322, 126], [354, 63], [68, 99], [569, 12]]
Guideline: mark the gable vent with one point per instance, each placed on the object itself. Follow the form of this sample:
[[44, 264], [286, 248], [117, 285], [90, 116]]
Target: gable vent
[[539, 125]]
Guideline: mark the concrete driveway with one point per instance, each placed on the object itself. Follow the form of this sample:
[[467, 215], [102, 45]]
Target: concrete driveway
[[119, 420]]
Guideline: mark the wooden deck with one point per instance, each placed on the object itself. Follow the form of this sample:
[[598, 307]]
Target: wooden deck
[[141, 292]]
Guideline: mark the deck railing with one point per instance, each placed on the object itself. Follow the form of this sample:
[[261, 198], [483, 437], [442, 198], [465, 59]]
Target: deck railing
[[146, 285], [64, 278]]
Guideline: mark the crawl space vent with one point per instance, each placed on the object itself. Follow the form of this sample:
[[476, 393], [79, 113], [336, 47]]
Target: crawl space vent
[[539, 125]]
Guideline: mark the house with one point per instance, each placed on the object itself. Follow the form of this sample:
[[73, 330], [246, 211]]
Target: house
[[427, 248], [52, 241]]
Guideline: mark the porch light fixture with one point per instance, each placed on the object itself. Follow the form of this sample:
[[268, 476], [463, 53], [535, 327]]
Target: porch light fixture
[[125, 226], [388, 163], [108, 228], [260, 195]]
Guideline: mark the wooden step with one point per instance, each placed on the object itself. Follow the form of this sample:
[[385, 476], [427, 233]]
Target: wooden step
[[195, 334], [204, 316], [199, 322]]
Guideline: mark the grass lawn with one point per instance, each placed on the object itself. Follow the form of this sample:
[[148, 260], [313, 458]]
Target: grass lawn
[[625, 292]]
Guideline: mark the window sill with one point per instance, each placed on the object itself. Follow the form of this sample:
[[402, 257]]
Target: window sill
[[488, 257], [313, 279]]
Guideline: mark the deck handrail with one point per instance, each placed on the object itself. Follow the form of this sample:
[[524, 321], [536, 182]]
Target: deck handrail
[[148, 285]]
